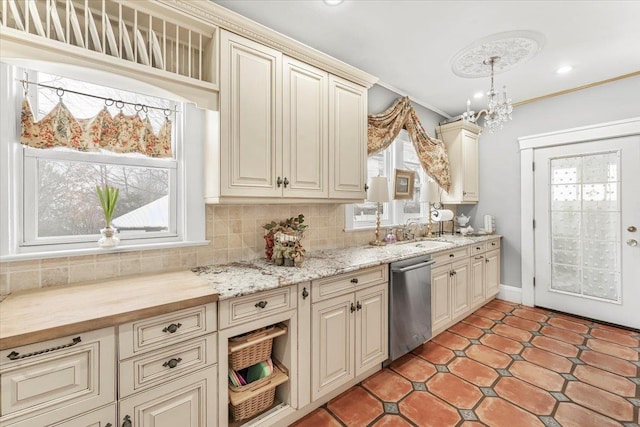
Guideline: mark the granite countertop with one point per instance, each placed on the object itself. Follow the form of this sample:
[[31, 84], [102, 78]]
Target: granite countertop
[[244, 278]]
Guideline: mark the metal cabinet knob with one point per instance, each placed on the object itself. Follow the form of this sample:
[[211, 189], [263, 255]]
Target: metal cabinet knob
[[261, 304], [353, 308], [279, 182], [358, 306], [126, 421], [632, 242], [354, 280], [172, 363], [305, 293], [172, 328], [632, 229], [286, 182]]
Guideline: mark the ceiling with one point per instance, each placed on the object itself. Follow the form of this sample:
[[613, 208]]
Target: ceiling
[[409, 45]]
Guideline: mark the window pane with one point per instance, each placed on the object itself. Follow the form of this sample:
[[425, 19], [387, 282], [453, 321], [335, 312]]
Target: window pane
[[69, 206]]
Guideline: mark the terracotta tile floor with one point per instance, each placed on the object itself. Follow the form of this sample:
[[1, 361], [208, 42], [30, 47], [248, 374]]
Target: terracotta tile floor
[[504, 365]]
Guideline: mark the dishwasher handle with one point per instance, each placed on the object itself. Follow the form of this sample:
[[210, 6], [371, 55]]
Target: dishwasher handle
[[413, 267]]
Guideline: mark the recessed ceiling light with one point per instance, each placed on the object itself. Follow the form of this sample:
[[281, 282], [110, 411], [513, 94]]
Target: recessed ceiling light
[[478, 95], [333, 2], [564, 69]]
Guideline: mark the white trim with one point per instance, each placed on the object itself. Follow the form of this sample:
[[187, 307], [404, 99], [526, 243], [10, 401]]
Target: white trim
[[528, 144], [510, 293], [413, 99], [617, 128], [98, 251]]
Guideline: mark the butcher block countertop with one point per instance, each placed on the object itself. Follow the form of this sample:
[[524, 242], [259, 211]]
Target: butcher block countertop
[[44, 314]]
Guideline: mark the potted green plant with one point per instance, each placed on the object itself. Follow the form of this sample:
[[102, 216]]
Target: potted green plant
[[108, 200]]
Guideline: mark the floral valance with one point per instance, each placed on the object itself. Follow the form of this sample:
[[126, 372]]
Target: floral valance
[[383, 128], [120, 133]]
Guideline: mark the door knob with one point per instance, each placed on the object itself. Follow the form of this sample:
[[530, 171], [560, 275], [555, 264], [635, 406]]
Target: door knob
[[632, 229], [632, 242]]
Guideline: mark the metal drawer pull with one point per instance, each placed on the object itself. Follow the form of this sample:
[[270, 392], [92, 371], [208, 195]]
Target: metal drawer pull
[[451, 255], [486, 260], [108, 425], [172, 328], [353, 308], [478, 248], [17, 356], [493, 243], [358, 306], [261, 304], [172, 363], [126, 421], [479, 257], [305, 293], [354, 280]]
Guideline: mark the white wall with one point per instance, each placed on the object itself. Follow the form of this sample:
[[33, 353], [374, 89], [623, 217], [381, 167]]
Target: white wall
[[500, 157]]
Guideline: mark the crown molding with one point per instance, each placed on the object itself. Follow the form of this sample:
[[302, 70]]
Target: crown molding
[[236, 23], [412, 99]]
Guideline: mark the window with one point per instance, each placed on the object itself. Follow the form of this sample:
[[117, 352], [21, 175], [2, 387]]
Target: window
[[399, 155], [55, 189]]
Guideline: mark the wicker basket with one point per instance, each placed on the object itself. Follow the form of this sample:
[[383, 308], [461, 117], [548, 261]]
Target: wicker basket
[[254, 347], [251, 399]]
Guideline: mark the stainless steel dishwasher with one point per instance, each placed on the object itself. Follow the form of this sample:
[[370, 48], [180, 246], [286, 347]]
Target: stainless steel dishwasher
[[409, 305]]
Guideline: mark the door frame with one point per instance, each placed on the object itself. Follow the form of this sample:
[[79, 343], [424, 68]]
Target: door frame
[[528, 144]]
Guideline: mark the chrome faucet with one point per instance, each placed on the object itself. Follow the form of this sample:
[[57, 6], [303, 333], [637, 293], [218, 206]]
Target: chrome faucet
[[411, 227]]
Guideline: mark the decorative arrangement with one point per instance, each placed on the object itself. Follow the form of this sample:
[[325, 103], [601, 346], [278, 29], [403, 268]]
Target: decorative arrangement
[[378, 193], [282, 241], [429, 194], [108, 199]]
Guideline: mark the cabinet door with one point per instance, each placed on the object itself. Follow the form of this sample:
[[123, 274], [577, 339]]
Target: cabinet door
[[476, 288], [332, 341], [371, 327], [251, 116], [440, 296], [187, 402], [470, 163], [460, 287], [305, 138], [347, 139], [492, 273]]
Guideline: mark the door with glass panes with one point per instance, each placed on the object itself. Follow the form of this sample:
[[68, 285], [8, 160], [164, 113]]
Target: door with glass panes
[[587, 212]]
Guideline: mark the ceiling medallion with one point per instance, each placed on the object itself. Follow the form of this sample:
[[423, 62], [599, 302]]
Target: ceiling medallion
[[513, 48]]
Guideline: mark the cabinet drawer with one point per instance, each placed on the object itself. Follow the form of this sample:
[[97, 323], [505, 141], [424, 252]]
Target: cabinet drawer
[[256, 306], [493, 244], [189, 401], [478, 248], [159, 331], [328, 287], [148, 369], [77, 377], [104, 417], [452, 255]]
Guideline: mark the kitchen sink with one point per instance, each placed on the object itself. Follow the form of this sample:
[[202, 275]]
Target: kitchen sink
[[425, 244]]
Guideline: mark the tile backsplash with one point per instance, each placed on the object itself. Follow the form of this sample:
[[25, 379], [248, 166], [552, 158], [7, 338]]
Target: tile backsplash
[[235, 234]]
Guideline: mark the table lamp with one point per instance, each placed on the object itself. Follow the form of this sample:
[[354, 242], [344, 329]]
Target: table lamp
[[429, 194], [379, 193]]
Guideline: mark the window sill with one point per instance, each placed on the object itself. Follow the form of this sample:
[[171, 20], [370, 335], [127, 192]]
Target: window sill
[[98, 251]]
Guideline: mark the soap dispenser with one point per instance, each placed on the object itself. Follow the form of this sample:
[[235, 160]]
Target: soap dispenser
[[391, 237]]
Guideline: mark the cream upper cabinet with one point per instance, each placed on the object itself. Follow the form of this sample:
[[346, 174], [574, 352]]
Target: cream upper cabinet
[[288, 130], [461, 139], [250, 118], [305, 133], [492, 272], [347, 139]]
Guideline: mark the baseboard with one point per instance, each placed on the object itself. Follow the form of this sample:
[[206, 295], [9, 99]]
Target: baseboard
[[510, 293]]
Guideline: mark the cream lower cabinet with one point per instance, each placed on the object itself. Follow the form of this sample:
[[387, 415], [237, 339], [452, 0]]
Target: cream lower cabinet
[[168, 371], [348, 331], [52, 382], [463, 279], [449, 291]]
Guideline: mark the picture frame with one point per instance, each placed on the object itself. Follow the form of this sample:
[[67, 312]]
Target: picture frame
[[403, 181]]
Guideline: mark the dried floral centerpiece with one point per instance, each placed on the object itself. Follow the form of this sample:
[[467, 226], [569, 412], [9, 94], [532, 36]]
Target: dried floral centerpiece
[[282, 241]]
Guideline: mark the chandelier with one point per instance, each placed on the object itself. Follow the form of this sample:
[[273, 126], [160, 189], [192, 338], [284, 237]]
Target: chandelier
[[499, 106]]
